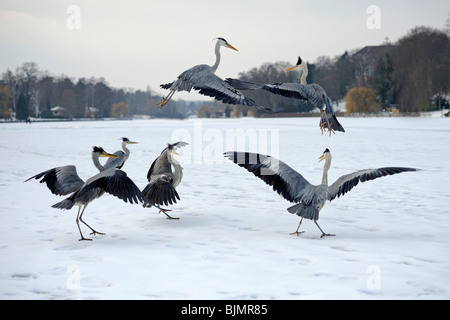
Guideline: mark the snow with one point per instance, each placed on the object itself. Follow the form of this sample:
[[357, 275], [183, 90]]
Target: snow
[[232, 240]]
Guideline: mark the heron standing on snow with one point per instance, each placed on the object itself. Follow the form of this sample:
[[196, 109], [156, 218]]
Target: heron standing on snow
[[162, 181], [65, 180], [294, 187]]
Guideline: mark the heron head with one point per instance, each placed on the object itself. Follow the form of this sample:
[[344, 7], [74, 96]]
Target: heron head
[[326, 155], [102, 153], [171, 149], [299, 62], [128, 141], [225, 43]]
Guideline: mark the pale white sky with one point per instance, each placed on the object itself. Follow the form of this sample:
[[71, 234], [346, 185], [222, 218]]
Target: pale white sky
[[136, 43]]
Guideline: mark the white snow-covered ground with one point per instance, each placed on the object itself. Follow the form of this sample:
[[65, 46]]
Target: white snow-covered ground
[[232, 240]]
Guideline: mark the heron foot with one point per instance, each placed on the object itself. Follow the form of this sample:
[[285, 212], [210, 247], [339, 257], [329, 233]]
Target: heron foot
[[96, 232], [297, 233], [168, 216], [84, 239], [327, 235], [162, 103]]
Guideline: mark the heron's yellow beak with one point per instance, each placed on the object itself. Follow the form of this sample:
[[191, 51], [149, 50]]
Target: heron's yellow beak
[[292, 68], [322, 157], [230, 46], [132, 142], [109, 155]]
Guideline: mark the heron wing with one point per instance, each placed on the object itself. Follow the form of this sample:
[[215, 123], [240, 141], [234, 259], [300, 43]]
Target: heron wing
[[160, 165], [346, 182], [115, 182], [285, 181], [60, 180], [313, 93], [213, 86], [180, 144], [161, 192]]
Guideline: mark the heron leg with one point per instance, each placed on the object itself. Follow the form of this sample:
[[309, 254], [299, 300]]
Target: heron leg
[[296, 232], [322, 124], [94, 232], [323, 233], [78, 224], [165, 100]]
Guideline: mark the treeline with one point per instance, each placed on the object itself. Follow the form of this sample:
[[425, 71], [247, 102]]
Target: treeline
[[30, 92], [412, 75]]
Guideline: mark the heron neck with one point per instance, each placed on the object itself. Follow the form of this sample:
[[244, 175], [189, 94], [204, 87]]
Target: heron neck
[[125, 149], [326, 167], [303, 73], [217, 52], [96, 160]]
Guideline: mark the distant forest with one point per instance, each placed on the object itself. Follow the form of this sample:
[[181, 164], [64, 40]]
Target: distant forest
[[411, 75]]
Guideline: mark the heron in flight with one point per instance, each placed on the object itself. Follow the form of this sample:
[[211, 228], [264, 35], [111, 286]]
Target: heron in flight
[[313, 93], [290, 184], [121, 156], [65, 180], [203, 79], [162, 181]]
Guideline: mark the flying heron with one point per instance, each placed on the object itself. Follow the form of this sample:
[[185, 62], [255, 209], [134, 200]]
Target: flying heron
[[162, 181], [301, 91], [294, 187], [65, 180], [203, 79]]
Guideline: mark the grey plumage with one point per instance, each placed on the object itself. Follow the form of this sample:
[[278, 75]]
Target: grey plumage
[[203, 79], [292, 186], [313, 93], [122, 156], [161, 189], [65, 180]]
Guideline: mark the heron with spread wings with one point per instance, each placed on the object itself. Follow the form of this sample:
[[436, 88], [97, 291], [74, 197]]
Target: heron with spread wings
[[203, 79], [290, 184], [162, 181], [65, 180], [313, 93]]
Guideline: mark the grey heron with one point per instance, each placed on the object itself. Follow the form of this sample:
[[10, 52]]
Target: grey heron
[[301, 91], [122, 156], [162, 181], [203, 79], [292, 186], [65, 180]]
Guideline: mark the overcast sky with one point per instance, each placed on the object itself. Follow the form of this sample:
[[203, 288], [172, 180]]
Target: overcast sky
[[140, 43]]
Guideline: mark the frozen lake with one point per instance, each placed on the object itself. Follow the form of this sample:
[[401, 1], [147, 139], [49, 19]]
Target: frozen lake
[[232, 240]]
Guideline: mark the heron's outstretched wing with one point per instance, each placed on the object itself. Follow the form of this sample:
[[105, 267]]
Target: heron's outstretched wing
[[346, 182], [160, 192], [285, 181], [115, 182], [203, 79], [60, 180], [313, 93]]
